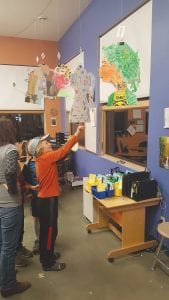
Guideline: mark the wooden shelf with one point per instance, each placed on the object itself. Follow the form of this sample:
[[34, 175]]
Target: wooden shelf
[[141, 104]]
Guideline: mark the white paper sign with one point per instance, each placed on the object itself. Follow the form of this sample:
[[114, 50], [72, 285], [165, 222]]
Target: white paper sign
[[139, 128], [131, 130], [136, 113], [93, 116], [166, 117]]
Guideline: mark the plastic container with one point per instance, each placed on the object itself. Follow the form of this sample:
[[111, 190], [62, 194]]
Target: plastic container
[[117, 189], [99, 195], [109, 193]]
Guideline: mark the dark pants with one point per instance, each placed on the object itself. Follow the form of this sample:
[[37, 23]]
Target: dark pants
[[48, 217]]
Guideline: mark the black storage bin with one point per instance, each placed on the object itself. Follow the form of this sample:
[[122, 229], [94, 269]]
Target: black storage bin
[[129, 178], [138, 186], [144, 189]]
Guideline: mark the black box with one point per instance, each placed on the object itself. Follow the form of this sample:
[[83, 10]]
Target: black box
[[129, 178], [144, 189]]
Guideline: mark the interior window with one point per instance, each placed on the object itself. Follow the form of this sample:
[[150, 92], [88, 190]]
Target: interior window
[[27, 125], [125, 133]]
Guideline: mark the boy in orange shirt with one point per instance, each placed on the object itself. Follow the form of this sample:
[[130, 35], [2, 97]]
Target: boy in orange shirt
[[48, 192]]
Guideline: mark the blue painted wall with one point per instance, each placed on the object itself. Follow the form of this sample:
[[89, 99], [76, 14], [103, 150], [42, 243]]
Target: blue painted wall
[[98, 18]]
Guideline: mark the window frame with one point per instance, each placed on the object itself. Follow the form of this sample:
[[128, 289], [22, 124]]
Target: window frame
[[142, 103]]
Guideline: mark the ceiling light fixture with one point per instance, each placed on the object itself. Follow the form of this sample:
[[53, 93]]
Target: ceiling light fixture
[[42, 18]]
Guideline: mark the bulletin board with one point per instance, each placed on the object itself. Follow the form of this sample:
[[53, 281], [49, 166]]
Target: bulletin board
[[14, 85], [135, 30]]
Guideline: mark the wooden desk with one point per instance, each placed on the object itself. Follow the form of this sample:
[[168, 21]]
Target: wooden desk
[[126, 218]]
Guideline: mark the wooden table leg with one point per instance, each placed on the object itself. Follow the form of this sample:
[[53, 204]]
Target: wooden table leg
[[102, 222], [133, 234], [89, 227], [122, 251], [133, 227]]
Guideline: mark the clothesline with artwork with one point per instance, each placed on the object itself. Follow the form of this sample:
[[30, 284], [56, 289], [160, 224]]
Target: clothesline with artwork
[[121, 67], [62, 83]]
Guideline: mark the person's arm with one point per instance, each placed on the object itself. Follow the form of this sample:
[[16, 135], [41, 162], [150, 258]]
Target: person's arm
[[31, 187], [64, 150], [11, 163]]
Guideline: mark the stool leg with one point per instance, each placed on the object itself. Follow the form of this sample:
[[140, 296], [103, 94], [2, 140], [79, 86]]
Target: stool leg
[[157, 253]]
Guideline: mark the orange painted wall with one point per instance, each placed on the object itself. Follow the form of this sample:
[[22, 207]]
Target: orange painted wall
[[17, 51], [52, 110]]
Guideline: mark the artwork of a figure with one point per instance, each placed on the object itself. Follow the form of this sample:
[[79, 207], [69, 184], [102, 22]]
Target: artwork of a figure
[[83, 84], [61, 76], [37, 86], [40, 83], [121, 68], [31, 95]]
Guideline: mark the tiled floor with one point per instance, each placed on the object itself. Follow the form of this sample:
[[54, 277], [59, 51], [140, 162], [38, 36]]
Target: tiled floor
[[88, 274]]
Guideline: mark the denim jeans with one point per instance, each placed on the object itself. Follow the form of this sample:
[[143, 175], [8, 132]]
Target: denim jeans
[[10, 224]]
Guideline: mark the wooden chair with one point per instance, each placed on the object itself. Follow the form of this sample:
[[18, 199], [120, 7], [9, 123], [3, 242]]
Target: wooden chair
[[163, 230]]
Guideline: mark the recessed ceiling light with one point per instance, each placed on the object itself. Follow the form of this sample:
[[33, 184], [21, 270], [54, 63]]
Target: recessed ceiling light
[[43, 18]]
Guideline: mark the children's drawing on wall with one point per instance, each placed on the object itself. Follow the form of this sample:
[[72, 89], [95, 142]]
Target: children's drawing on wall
[[20, 88], [83, 85], [121, 67], [164, 152]]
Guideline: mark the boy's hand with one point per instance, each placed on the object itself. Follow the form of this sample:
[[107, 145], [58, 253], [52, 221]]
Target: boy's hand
[[34, 187], [80, 130]]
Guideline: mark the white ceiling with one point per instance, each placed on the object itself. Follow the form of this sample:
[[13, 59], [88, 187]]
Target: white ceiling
[[22, 18]]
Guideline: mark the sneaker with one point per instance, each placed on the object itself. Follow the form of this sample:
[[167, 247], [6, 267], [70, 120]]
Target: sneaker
[[20, 261], [19, 288], [56, 255], [25, 252], [55, 267]]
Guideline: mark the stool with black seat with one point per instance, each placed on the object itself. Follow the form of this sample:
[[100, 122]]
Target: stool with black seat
[[163, 230]]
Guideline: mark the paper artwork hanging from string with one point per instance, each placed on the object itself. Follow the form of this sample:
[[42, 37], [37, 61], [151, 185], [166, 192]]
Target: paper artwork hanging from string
[[40, 83], [79, 85], [83, 85], [61, 76], [36, 88]]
